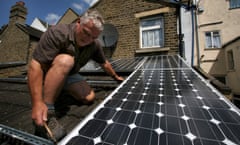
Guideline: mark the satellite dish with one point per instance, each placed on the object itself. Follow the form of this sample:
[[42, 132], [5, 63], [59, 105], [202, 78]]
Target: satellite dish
[[109, 35]]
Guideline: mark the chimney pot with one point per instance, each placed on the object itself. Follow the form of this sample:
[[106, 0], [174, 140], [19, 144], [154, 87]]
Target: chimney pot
[[18, 13], [20, 3]]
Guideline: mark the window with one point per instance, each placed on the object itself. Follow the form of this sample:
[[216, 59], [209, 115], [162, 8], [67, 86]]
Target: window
[[230, 60], [213, 39], [234, 4], [151, 32]]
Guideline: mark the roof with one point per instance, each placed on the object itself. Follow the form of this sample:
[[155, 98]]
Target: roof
[[3, 28], [30, 30], [161, 87], [45, 24], [69, 18], [15, 107], [231, 41], [40, 24]]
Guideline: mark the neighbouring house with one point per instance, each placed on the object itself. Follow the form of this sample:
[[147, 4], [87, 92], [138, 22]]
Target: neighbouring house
[[17, 41], [144, 28], [68, 17], [141, 27], [232, 51], [218, 24], [217, 37], [40, 24]]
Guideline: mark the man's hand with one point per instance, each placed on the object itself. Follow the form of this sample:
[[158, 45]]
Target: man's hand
[[108, 68], [39, 113], [118, 78]]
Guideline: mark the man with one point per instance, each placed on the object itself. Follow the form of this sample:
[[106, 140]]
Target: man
[[60, 53]]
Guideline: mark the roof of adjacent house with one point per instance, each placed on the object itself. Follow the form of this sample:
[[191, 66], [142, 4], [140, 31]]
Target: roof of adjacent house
[[44, 23], [72, 18], [3, 28], [231, 41], [30, 30]]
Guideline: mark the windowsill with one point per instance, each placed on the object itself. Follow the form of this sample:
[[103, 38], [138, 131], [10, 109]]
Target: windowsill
[[209, 60], [234, 8], [148, 50], [212, 48]]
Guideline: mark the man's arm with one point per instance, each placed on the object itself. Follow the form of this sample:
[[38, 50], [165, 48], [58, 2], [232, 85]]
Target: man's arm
[[35, 84], [110, 71]]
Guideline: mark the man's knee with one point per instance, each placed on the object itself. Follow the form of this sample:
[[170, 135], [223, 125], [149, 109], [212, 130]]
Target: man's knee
[[64, 61], [89, 98], [81, 91]]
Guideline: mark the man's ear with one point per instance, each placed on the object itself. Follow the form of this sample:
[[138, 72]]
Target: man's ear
[[77, 20]]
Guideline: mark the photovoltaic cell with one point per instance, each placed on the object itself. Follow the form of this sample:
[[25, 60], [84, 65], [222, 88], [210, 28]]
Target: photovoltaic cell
[[119, 65], [162, 102]]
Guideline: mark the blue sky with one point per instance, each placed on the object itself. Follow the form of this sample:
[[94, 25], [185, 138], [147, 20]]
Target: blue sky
[[47, 10]]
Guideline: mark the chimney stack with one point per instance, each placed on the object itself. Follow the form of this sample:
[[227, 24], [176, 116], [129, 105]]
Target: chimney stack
[[18, 13]]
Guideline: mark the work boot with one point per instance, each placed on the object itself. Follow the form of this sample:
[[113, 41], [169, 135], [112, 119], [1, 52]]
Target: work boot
[[55, 130], [52, 129]]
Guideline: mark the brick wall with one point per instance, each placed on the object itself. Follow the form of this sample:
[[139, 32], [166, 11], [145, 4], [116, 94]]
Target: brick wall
[[121, 13], [14, 48], [19, 70], [14, 44]]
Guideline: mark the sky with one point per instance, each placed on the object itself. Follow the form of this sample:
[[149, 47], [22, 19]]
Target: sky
[[47, 10]]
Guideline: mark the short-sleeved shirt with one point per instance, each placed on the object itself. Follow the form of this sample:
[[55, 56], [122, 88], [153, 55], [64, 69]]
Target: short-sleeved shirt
[[60, 39]]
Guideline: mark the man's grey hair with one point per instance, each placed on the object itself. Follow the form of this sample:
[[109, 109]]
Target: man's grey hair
[[96, 18]]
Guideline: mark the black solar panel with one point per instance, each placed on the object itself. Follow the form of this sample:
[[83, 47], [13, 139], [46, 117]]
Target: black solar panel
[[163, 102], [119, 65]]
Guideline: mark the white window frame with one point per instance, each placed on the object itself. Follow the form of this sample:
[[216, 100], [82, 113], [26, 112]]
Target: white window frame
[[212, 40], [148, 28], [234, 4]]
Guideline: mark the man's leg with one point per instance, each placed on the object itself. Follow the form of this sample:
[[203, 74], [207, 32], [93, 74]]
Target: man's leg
[[54, 80], [77, 87], [56, 76]]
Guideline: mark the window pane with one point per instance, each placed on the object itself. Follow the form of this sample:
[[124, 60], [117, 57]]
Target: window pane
[[234, 3], [213, 40], [151, 38], [216, 42], [208, 40], [152, 32], [151, 22]]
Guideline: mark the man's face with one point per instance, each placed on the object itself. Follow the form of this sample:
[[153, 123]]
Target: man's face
[[86, 34]]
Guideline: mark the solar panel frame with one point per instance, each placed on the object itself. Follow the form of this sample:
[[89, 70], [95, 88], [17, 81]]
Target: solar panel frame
[[161, 103]]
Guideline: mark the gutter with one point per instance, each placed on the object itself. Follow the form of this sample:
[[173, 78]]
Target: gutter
[[197, 35]]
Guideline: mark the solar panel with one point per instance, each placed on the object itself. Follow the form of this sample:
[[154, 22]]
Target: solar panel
[[119, 65], [162, 102]]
